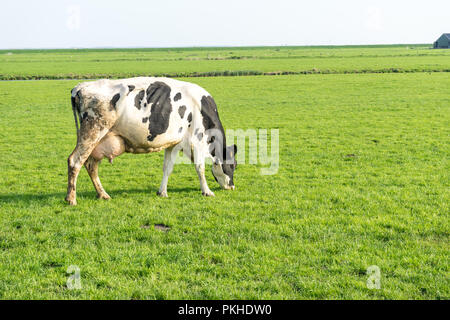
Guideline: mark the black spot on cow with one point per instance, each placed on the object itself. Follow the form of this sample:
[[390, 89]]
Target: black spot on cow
[[84, 116], [200, 136], [211, 121], [114, 100], [181, 111], [189, 118], [131, 88], [211, 146], [144, 120], [196, 131], [181, 129], [209, 114], [177, 97], [158, 94], [138, 99], [230, 165]]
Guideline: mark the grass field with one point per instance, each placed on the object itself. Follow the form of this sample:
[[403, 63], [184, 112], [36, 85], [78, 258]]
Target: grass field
[[363, 180], [86, 64]]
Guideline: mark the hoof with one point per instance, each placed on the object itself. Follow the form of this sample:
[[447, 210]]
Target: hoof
[[162, 194], [71, 202], [208, 194], [103, 196]]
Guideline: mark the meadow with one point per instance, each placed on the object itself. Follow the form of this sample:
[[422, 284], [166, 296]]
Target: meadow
[[363, 180], [179, 62]]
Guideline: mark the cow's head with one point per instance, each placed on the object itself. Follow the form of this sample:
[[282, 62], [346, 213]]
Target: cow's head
[[223, 170]]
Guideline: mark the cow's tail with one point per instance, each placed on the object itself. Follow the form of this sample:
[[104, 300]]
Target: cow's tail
[[76, 109]]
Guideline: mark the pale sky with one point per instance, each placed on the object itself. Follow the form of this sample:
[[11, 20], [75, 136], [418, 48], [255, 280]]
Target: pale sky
[[176, 23]]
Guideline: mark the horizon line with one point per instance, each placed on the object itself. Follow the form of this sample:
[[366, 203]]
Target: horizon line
[[219, 46]]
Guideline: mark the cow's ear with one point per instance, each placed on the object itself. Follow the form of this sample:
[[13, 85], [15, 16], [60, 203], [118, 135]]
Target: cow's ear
[[235, 148]]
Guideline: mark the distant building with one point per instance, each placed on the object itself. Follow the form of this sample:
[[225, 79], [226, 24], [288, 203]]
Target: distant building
[[442, 42]]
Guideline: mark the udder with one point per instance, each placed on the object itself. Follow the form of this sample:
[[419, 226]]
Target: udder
[[109, 147]]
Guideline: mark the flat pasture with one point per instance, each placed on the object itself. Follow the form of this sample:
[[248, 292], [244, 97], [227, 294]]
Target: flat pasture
[[181, 62], [363, 180]]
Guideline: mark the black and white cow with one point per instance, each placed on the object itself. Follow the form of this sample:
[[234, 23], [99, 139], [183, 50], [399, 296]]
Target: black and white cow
[[146, 114]]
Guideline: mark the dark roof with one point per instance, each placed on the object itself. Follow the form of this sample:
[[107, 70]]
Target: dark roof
[[447, 35]]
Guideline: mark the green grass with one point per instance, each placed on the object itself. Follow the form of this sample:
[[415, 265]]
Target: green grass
[[179, 62], [363, 180]]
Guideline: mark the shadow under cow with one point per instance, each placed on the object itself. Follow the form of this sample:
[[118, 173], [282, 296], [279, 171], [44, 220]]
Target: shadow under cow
[[32, 197]]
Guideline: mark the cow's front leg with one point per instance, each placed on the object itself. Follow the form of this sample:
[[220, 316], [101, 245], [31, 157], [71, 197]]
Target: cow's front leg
[[199, 161], [170, 156], [200, 167]]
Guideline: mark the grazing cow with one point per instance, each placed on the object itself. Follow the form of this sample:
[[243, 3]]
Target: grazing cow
[[146, 114]]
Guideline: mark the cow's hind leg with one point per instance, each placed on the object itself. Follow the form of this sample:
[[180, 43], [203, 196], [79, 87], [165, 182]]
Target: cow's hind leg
[[91, 166], [89, 140]]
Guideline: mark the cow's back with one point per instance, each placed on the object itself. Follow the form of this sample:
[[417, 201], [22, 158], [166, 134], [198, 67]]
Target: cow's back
[[151, 113]]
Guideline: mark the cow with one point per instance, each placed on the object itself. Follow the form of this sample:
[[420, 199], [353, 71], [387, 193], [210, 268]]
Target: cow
[[143, 115]]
